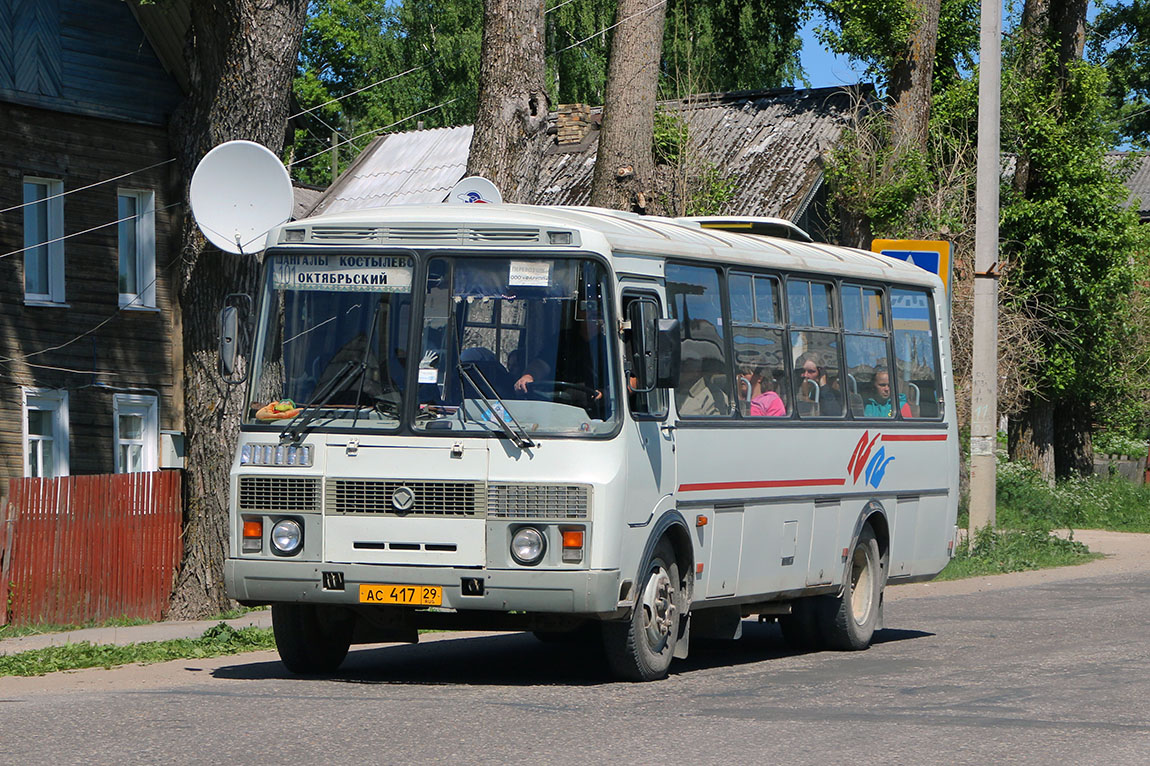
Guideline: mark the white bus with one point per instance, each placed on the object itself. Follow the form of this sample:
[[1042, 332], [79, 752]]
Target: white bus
[[582, 422]]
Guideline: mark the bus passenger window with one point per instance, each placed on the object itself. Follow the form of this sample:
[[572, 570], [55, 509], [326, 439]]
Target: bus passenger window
[[916, 352], [704, 383], [760, 368], [815, 352]]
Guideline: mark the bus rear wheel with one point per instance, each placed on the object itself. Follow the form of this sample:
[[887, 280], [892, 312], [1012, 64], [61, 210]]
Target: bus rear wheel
[[312, 638], [849, 620], [641, 647]]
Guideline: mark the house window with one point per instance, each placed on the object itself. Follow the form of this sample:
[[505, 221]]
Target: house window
[[45, 432], [136, 213], [43, 241], [136, 433]]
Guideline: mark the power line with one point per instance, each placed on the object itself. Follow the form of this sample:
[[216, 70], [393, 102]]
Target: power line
[[374, 131], [605, 30], [359, 90], [89, 186], [85, 231]]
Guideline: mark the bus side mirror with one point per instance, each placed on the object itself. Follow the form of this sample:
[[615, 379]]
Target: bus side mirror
[[233, 336], [670, 345]]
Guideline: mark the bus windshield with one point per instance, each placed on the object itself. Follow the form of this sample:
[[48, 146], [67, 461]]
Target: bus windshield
[[523, 341], [508, 346], [334, 336]]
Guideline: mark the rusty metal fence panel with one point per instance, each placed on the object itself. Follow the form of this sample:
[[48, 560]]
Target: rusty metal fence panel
[[84, 549]]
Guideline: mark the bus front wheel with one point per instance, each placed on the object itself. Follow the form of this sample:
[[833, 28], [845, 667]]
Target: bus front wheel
[[312, 638], [641, 647], [849, 621]]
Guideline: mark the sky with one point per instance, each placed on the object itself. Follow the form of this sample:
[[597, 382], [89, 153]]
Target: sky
[[823, 68]]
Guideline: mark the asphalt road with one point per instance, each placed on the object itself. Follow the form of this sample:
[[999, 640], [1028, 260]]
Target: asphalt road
[[1056, 672]]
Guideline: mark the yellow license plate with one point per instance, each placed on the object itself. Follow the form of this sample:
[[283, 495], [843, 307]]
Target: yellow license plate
[[411, 595]]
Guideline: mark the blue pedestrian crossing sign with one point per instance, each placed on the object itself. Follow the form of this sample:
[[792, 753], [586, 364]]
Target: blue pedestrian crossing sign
[[932, 255]]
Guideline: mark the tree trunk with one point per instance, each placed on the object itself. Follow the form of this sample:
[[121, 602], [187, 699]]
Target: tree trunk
[[242, 56], [1073, 451], [1031, 437], [910, 82], [511, 120], [625, 167]]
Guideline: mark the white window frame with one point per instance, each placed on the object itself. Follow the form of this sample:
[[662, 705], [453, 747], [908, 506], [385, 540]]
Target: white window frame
[[54, 401], [52, 248], [144, 256], [148, 407]]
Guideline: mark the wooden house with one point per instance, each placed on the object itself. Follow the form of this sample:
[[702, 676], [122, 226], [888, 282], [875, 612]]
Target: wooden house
[[90, 210]]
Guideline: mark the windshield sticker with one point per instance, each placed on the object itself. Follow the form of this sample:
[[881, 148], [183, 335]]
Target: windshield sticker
[[530, 273], [346, 273]]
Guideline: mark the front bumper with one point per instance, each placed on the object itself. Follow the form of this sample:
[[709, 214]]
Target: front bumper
[[594, 592]]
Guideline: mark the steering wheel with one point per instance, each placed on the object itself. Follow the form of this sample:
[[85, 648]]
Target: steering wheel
[[562, 392]]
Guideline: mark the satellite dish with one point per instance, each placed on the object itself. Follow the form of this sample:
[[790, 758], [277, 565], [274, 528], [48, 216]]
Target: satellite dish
[[239, 192], [474, 189]]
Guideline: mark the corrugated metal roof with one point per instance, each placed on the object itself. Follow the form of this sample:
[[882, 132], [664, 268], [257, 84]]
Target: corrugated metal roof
[[401, 169], [770, 143]]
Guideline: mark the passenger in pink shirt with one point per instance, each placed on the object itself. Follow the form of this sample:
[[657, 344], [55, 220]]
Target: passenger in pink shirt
[[764, 402]]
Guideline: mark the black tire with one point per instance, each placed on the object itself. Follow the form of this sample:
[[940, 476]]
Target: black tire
[[848, 622], [312, 638], [800, 629], [641, 647]]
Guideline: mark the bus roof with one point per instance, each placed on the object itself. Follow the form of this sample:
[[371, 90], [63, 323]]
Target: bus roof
[[621, 233]]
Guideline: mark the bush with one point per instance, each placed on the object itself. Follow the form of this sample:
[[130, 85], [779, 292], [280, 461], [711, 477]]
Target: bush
[[1108, 443], [1025, 501]]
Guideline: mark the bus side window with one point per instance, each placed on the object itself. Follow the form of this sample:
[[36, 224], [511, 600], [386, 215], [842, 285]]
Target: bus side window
[[757, 332], [916, 352], [704, 385], [649, 405]]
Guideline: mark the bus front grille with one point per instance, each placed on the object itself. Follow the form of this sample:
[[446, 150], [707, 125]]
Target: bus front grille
[[279, 493], [427, 498], [538, 501]]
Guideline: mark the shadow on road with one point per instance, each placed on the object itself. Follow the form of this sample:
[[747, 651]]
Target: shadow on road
[[520, 659]]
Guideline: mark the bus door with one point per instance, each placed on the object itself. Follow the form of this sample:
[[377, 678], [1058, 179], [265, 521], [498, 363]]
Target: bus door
[[650, 439]]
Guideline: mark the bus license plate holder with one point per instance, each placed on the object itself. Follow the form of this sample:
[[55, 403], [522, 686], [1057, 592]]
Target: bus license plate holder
[[406, 595]]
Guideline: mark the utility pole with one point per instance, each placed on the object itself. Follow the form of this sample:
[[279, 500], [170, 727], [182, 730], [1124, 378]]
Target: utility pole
[[984, 368]]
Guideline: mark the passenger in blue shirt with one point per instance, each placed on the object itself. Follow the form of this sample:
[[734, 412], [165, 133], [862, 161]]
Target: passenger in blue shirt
[[878, 406]]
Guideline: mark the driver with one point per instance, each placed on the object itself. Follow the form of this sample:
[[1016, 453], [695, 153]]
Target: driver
[[578, 361]]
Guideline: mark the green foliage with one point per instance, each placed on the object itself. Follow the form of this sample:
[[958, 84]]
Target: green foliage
[[1113, 443], [877, 32], [1067, 234], [670, 139], [1120, 43], [1002, 551], [723, 45], [711, 192], [216, 641], [353, 44], [1026, 501], [350, 45], [869, 178]]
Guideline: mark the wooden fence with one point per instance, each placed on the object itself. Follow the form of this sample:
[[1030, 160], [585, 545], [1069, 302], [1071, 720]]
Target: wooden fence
[[89, 548]]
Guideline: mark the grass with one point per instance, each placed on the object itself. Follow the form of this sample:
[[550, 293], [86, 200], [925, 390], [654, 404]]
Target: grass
[[1025, 501], [217, 641], [1028, 509], [1002, 551], [16, 631]]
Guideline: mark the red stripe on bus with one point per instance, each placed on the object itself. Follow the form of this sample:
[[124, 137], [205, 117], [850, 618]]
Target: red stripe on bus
[[914, 437], [762, 484]]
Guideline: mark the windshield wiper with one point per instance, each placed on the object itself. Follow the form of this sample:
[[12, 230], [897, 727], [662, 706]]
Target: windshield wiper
[[293, 433], [517, 435]]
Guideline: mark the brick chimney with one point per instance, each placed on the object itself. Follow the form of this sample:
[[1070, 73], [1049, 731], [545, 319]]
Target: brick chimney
[[573, 123]]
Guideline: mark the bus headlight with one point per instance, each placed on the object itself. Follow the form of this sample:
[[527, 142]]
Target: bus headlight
[[287, 536], [528, 545]]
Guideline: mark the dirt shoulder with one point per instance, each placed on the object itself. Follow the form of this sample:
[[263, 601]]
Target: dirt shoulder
[[1123, 552]]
